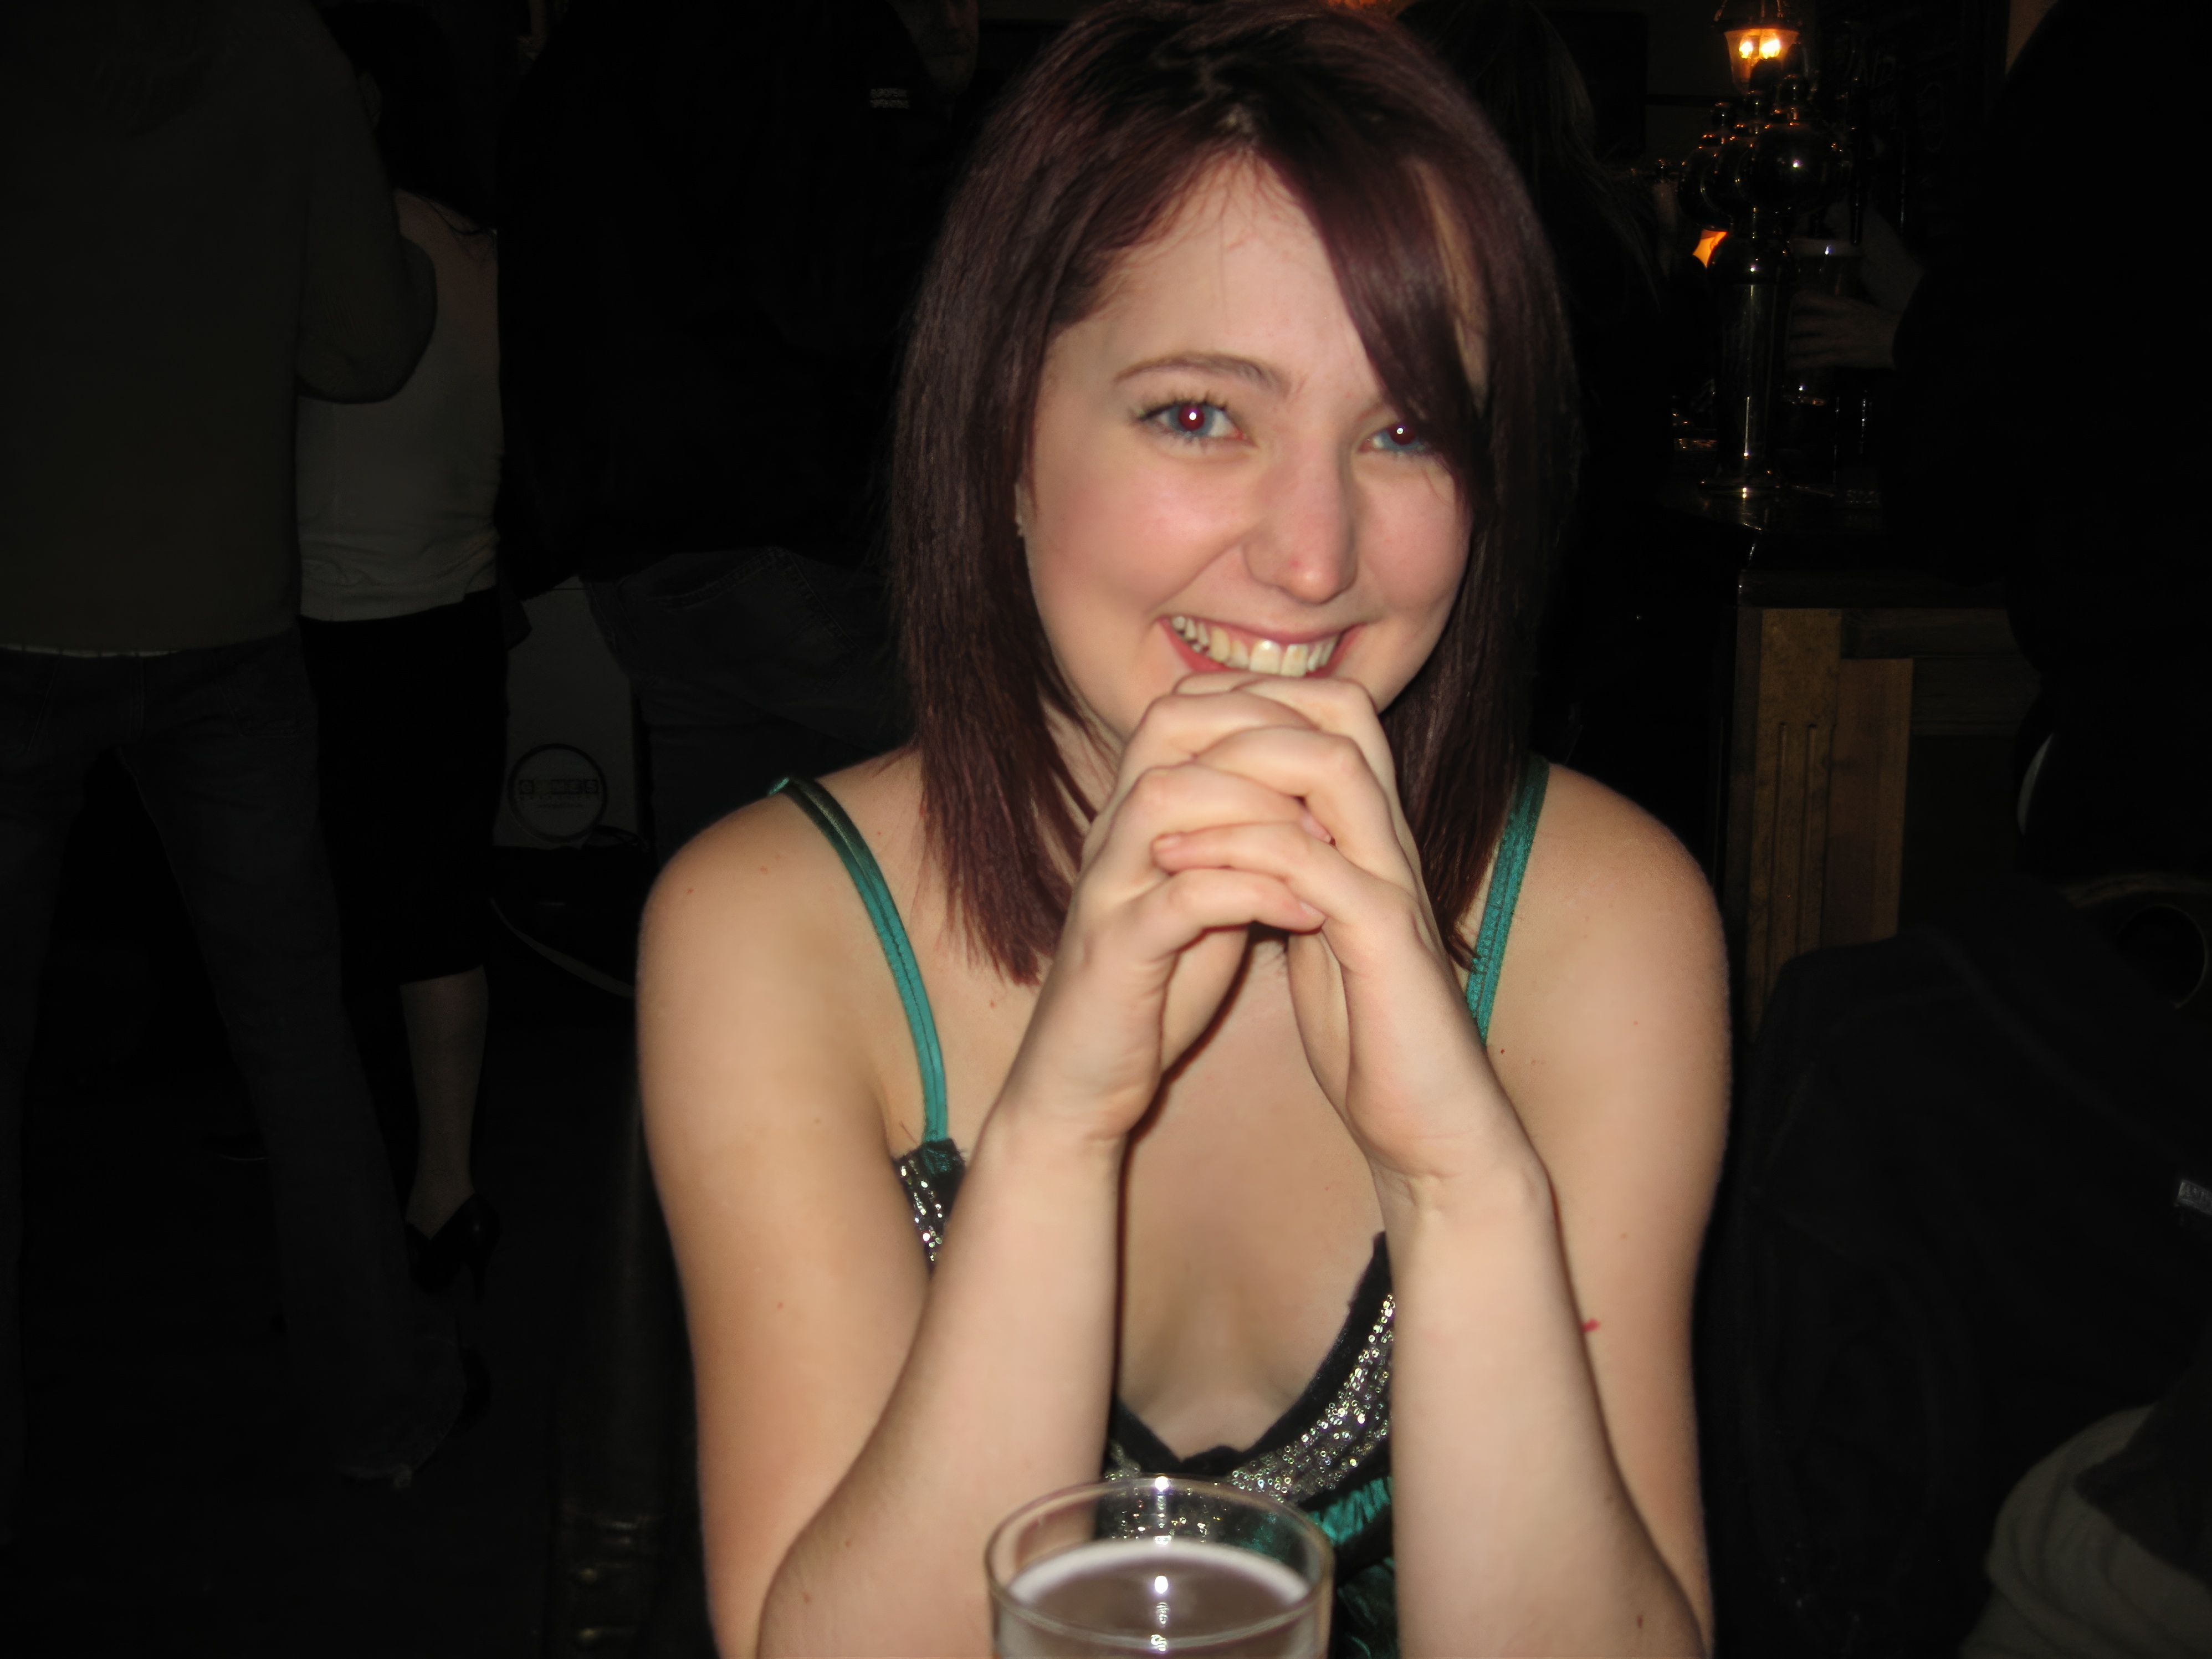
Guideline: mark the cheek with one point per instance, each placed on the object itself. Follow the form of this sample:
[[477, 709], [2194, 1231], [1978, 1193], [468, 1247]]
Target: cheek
[[1107, 528], [1416, 573], [1430, 536]]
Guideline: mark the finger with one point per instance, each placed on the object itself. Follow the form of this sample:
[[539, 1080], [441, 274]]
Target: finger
[[1192, 903], [1332, 775], [1363, 911], [1180, 725], [1171, 800], [1341, 706]]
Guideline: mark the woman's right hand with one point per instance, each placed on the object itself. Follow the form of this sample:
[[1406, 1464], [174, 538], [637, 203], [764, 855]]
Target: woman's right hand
[[1145, 957]]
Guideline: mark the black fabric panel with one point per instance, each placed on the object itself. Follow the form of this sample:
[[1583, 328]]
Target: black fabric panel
[[1945, 1243]]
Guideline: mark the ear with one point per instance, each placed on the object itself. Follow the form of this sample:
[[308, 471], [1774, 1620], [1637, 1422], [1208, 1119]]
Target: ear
[[1024, 506]]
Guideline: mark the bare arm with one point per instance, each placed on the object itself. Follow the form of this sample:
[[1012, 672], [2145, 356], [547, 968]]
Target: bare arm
[[1542, 1418], [1545, 1498], [847, 1482]]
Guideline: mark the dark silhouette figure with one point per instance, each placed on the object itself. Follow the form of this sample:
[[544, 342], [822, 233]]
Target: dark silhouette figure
[[2044, 437], [196, 223]]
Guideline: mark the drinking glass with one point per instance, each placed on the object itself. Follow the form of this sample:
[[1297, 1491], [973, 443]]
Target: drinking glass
[[1155, 1565]]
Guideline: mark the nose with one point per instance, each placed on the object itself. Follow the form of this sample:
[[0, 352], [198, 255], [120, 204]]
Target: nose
[[1304, 539]]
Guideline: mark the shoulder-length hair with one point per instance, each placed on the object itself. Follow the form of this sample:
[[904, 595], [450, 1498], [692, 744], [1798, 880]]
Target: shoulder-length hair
[[1446, 276]]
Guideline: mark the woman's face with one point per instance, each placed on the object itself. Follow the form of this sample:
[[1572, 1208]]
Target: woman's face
[[1217, 481]]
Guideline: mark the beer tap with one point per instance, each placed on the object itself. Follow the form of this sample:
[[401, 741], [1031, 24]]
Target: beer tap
[[1766, 161]]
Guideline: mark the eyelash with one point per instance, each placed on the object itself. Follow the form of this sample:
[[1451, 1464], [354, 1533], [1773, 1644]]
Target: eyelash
[[1157, 415]]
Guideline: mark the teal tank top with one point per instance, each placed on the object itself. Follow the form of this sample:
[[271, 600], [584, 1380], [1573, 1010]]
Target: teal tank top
[[1330, 1452]]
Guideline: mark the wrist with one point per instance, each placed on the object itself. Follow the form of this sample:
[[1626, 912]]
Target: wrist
[[1027, 1130], [1506, 1188]]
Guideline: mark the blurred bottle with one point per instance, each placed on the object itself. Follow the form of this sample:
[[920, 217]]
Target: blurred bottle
[[1820, 408]]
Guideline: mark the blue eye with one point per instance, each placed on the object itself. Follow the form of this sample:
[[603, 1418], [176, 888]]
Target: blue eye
[[1194, 417], [1399, 440]]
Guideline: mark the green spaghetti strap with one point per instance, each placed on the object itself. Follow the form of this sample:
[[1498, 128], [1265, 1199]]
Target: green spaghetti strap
[[821, 806], [1505, 873]]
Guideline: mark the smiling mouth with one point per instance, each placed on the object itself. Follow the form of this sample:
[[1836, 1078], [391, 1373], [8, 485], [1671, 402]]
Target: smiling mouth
[[1252, 653]]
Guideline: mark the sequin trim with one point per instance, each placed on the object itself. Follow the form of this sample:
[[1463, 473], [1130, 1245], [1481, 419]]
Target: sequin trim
[[931, 1174], [1355, 1427]]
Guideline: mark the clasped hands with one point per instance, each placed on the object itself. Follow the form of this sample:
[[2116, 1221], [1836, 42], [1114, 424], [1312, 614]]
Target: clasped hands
[[1245, 800]]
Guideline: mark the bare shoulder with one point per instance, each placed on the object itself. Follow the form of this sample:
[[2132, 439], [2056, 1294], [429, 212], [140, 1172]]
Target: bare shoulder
[[1609, 891], [755, 926], [1612, 1010], [741, 896], [768, 865]]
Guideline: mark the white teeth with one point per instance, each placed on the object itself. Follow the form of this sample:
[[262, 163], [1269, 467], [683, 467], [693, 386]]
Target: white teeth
[[1261, 656]]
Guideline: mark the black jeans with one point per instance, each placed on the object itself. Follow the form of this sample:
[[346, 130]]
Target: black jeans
[[222, 741], [748, 664]]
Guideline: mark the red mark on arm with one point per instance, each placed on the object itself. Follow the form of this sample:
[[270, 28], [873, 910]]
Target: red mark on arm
[[1588, 1325]]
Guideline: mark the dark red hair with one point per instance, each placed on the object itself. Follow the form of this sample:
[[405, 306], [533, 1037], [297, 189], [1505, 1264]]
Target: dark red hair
[[1434, 245]]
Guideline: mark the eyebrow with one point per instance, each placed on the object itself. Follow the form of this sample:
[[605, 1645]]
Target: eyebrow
[[1207, 362]]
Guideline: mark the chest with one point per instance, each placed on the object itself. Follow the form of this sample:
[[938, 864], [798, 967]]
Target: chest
[[1249, 1212]]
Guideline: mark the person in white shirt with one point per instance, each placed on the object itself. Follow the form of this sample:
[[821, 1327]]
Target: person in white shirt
[[405, 642]]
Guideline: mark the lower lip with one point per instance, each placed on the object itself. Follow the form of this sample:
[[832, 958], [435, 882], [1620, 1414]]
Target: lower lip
[[1204, 665]]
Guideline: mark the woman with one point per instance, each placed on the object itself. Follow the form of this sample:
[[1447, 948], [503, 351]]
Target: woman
[[400, 622], [1238, 344]]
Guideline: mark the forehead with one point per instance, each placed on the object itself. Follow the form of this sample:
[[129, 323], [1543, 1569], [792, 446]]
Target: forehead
[[1236, 259], [1239, 259]]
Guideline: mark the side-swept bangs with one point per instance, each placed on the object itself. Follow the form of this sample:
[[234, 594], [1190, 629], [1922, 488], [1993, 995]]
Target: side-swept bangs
[[1448, 280]]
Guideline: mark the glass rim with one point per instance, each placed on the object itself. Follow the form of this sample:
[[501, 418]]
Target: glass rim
[[1094, 1489]]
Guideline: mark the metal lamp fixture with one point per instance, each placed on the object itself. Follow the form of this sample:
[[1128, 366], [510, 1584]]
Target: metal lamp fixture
[[1759, 33], [1767, 161]]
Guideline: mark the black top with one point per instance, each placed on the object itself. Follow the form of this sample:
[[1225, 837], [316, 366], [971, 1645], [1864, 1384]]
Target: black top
[[174, 272]]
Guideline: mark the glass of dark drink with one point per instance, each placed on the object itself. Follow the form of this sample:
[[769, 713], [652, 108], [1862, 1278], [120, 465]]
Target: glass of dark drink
[[1154, 1565]]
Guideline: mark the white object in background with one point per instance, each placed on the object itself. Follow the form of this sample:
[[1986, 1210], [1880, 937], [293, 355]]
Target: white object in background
[[568, 730]]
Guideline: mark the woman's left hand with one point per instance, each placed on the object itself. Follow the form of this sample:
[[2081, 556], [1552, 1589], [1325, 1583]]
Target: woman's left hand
[[1379, 1006]]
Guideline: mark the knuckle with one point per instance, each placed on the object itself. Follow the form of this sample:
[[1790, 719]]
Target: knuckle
[[1163, 712], [1345, 758], [1155, 787], [1184, 896]]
